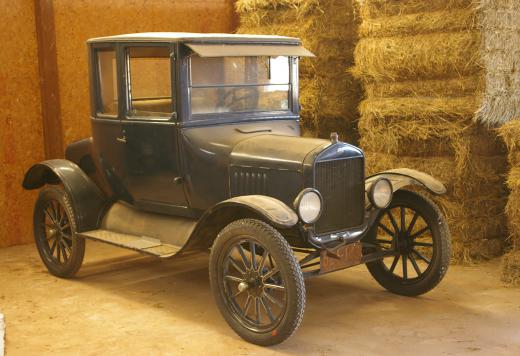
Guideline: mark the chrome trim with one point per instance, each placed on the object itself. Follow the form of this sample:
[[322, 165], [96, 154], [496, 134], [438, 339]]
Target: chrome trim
[[337, 239]]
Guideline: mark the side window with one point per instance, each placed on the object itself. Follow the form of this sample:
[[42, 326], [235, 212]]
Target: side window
[[107, 79], [149, 82]]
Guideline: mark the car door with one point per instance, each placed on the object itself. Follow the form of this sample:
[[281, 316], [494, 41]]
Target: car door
[[153, 171], [106, 116]]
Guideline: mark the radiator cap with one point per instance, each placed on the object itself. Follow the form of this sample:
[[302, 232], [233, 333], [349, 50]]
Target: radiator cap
[[334, 137]]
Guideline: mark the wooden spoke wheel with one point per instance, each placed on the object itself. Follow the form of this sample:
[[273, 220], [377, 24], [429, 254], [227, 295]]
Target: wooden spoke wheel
[[55, 233], [415, 233], [257, 282]]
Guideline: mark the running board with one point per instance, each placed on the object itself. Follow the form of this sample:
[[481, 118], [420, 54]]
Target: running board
[[143, 244]]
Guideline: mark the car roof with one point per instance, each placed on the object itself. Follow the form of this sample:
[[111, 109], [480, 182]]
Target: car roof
[[196, 38]]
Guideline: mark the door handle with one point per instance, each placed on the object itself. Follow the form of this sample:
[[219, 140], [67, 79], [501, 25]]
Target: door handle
[[121, 139]]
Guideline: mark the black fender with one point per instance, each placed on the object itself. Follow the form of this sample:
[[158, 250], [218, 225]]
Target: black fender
[[268, 209], [87, 199], [402, 177]]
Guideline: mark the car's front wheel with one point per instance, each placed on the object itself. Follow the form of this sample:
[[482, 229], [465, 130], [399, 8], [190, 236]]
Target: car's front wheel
[[414, 235], [257, 282]]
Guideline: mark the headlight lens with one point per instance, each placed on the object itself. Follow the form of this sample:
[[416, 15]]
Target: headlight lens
[[381, 193], [308, 204]]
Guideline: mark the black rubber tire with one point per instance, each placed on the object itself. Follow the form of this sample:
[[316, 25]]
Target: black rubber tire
[[442, 242], [71, 267], [278, 247]]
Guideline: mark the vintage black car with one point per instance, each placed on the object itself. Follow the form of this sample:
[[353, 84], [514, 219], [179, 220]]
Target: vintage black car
[[196, 146]]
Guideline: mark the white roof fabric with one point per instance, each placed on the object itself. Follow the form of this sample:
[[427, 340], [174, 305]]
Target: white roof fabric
[[244, 50]]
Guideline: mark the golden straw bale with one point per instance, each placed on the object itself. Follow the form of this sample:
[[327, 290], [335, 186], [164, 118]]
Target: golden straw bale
[[460, 180], [328, 94], [434, 88], [510, 133], [309, 93], [243, 6], [432, 147], [431, 70], [385, 122], [427, 56], [511, 268], [513, 178], [384, 8], [421, 108], [514, 157], [419, 40], [347, 130], [428, 138], [513, 216], [475, 250], [423, 22]]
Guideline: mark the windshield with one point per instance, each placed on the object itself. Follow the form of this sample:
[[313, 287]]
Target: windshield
[[239, 84]]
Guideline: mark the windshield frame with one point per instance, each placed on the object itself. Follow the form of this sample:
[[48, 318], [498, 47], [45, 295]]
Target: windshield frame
[[231, 117]]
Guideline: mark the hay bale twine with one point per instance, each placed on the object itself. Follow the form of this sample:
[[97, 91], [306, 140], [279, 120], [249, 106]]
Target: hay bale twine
[[329, 95], [436, 75]]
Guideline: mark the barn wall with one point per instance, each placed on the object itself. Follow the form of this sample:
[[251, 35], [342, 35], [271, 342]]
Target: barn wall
[[22, 140], [76, 21], [21, 132]]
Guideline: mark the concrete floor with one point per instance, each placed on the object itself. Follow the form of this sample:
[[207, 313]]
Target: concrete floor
[[124, 303]]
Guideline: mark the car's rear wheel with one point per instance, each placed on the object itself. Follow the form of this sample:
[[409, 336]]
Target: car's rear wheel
[[60, 249], [257, 282], [414, 229]]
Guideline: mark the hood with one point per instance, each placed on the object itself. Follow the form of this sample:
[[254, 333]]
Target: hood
[[275, 151]]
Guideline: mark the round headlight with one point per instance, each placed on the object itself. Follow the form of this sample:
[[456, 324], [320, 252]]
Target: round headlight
[[308, 205], [381, 193]]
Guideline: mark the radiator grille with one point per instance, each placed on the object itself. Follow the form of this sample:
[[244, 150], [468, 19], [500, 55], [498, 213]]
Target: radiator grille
[[341, 184]]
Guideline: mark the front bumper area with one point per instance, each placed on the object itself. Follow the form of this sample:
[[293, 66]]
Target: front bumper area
[[335, 240]]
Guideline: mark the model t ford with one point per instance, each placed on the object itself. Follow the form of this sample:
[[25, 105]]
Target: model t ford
[[196, 145]]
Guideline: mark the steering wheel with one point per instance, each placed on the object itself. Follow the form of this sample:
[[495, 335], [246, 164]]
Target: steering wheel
[[238, 99]]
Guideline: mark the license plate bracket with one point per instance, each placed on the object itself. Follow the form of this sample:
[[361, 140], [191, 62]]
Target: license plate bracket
[[344, 257]]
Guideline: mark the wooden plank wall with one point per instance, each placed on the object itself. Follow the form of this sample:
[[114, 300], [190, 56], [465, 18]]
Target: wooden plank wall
[[24, 138]]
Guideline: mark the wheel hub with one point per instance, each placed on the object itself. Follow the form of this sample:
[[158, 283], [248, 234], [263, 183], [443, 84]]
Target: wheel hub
[[242, 286], [253, 283], [405, 244]]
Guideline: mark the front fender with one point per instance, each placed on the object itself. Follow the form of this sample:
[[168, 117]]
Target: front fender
[[87, 200], [402, 177], [271, 209], [268, 209]]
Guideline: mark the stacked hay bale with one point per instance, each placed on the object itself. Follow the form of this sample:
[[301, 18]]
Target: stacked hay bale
[[510, 132], [434, 73], [329, 96]]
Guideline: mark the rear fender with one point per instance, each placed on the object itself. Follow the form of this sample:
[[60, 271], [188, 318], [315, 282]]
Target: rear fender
[[402, 177], [87, 199]]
